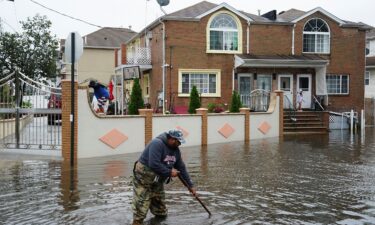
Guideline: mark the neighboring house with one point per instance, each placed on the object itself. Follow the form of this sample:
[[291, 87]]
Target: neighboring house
[[218, 49], [97, 60], [370, 65]]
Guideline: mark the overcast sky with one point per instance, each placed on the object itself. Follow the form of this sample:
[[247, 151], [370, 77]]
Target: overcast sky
[[138, 13]]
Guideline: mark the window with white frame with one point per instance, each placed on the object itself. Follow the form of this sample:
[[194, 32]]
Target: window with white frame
[[206, 82], [223, 33], [316, 36], [337, 84], [367, 78]]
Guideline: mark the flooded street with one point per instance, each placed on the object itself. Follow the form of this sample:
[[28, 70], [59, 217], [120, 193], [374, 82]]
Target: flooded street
[[310, 179]]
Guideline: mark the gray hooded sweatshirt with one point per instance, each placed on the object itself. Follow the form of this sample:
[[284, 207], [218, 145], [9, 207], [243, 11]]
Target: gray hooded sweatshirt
[[160, 158]]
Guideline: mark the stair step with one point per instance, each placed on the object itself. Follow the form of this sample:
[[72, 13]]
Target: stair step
[[301, 116], [299, 120], [305, 129], [304, 132], [317, 124]]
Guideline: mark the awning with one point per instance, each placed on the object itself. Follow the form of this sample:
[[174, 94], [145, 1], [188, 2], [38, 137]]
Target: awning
[[288, 61]]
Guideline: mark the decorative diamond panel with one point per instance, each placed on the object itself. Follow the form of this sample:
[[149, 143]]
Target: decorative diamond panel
[[226, 130], [184, 132], [114, 138], [264, 127]]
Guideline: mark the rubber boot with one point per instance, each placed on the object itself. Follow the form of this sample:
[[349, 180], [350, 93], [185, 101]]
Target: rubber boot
[[136, 222]]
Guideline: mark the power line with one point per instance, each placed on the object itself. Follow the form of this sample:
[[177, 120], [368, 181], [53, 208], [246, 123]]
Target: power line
[[4, 21], [63, 14]]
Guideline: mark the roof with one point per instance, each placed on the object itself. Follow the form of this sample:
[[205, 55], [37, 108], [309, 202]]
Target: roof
[[282, 57], [370, 61], [108, 37], [192, 11], [295, 61], [199, 10], [290, 15]]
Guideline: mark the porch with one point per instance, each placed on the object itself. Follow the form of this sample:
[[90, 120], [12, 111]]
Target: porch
[[290, 74]]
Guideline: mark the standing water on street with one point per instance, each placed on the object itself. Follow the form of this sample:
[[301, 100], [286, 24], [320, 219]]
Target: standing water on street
[[309, 179]]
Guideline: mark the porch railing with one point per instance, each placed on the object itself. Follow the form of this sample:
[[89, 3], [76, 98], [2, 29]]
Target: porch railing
[[258, 100], [139, 56], [289, 109]]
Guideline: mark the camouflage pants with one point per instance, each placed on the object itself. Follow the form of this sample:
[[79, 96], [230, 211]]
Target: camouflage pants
[[147, 194]]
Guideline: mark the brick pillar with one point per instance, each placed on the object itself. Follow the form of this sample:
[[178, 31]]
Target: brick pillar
[[281, 110], [246, 112], [116, 57], [147, 113], [123, 54], [203, 112], [326, 119], [65, 117]]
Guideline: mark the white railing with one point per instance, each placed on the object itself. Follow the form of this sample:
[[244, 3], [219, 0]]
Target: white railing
[[139, 56], [258, 100]]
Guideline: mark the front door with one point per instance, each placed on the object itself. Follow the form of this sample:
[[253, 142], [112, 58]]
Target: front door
[[304, 84], [244, 88], [285, 83]]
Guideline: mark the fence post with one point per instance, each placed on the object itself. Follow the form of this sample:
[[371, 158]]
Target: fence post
[[65, 117], [203, 112], [246, 112], [281, 111], [147, 113]]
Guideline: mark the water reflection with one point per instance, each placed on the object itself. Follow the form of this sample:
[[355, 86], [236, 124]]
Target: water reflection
[[312, 179]]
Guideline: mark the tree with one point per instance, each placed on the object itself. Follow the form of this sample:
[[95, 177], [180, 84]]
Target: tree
[[194, 100], [136, 100], [236, 102], [33, 52]]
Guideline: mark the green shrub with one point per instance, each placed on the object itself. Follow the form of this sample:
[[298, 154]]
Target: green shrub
[[215, 108], [194, 100], [136, 100], [236, 102], [211, 107]]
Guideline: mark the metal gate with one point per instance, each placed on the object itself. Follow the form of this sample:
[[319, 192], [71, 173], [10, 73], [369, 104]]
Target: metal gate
[[30, 114]]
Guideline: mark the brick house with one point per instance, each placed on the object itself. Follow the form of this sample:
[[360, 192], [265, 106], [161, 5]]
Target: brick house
[[220, 49]]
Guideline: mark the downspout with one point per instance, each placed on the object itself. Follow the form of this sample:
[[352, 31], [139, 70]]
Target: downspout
[[163, 65], [248, 38], [294, 26]]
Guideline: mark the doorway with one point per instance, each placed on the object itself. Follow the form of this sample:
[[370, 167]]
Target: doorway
[[304, 84], [285, 83], [245, 86]]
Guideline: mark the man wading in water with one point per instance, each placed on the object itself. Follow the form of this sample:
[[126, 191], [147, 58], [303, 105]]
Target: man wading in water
[[159, 162]]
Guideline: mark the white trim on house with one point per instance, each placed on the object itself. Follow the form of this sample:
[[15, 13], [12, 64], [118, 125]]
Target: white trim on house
[[296, 63], [319, 9], [217, 72], [239, 34], [315, 33], [225, 5]]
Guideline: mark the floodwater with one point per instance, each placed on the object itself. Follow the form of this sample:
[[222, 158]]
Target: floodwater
[[311, 179]]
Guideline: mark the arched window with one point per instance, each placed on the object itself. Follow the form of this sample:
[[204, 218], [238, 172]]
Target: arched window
[[316, 36], [223, 33]]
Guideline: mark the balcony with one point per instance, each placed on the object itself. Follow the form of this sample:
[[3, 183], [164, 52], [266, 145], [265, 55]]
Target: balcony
[[139, 56]]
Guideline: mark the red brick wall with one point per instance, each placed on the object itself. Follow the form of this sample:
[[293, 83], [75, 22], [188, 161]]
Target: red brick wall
[[270, 39], [189, 52]]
